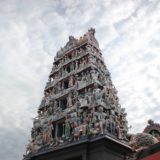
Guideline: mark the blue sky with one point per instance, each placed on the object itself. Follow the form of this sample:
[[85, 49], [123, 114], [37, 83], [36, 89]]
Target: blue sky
[[33, 30]]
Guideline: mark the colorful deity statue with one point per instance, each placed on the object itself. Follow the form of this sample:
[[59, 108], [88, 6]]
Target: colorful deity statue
[[71, 81], [97, 93], [69, 101], [67, 128]]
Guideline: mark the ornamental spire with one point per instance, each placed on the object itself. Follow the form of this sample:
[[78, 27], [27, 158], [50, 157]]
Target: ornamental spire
[[80, 100]]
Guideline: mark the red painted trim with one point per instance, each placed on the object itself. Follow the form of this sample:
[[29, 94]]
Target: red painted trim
[[155, 156]]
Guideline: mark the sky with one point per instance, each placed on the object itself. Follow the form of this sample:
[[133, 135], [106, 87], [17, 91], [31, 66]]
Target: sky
[[32, 31]]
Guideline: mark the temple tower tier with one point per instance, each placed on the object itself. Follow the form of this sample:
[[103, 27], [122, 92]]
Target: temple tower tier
[[80, 106]]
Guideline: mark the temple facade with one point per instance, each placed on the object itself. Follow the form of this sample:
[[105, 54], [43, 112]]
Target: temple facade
[[80, 101]]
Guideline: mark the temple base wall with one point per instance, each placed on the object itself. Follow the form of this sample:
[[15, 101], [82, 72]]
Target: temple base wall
[[102, 148]]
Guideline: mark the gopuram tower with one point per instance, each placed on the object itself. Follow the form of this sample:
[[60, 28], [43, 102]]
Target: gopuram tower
[[79, 117]]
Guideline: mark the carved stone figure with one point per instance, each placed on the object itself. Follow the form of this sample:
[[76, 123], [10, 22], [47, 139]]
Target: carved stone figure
[[118, 127], [97, 93], [94, 74], [82, 101], [45, 113], [89, 96], [101, 119], [71, 81], [50, 110], [92, 59], [76, 65], [80, 40], [69, 101], [84, 127], [45, 131], [79, 117], [81, 65], [76, 131], [107, 124], [72, 66], [96, 128], [49, 132], [32, 147], [88, 77], [84, 80], [67, 129], [112, 125]]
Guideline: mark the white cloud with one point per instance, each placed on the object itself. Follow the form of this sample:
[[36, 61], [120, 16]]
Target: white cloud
[[32, 32]]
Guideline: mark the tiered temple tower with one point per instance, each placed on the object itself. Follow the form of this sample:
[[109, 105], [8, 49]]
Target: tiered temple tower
[[80, 107]]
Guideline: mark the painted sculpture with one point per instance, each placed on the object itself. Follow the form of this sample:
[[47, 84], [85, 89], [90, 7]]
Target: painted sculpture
[[79, 100]]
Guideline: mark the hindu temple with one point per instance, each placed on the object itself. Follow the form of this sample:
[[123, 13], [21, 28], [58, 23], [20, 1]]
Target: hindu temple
[[79, 117]]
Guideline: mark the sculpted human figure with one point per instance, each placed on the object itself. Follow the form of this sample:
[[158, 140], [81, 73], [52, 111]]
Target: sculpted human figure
[[39, 141], [92, 59], [76, 65], [125, 130], [36, 123], [89, 96], [97, 93], [107, 124], [101, 118], [80, 40], [71, 81], [69, 101], [80, 52], [45, 131], [31, 147], [56, 105], [79, 117], [49, 133], [94, 74], [81, 65], [72, 66], [67, 129], [112, 125], [78, 103], [88, 78], [76, 131], [73, 116], [45, 113], [65, 59], [84, 80], [96, 128], [55, 76], [84, 127], [83, 100], [77, 81], [89, 127], [118, 127], [73, 54], [125, 126], [33, 133]]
